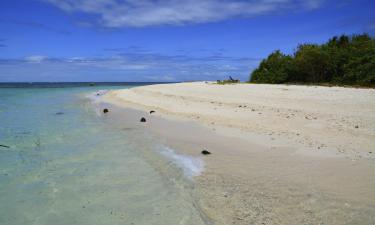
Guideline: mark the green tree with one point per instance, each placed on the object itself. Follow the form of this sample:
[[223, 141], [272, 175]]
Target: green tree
[[342, 60], [275, 69], [312, 64]]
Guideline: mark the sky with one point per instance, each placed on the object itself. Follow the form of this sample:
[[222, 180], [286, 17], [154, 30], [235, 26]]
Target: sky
[[163, 40]]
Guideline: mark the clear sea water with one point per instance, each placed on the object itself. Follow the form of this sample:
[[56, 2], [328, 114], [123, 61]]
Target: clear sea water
[[66, 164]]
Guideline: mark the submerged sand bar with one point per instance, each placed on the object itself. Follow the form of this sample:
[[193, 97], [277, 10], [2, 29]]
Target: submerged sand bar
[[282, 154]]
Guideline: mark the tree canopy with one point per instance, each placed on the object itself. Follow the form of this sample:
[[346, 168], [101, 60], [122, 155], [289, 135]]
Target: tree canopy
[[344, 60]]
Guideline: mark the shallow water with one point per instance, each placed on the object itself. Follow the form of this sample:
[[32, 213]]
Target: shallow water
[[68, 165]]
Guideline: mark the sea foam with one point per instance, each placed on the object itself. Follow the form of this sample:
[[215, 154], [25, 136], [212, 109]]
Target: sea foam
[[191, 166]]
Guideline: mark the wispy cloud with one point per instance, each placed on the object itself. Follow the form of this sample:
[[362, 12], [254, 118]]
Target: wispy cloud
[[35, 25], [35, 58], [130, 67], [140, 13]]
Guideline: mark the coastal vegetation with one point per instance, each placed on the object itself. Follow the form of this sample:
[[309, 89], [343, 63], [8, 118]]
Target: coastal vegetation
[[344, 60]]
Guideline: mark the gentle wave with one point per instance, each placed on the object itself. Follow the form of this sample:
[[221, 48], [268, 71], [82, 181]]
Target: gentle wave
[[96, 96], [191, 166]]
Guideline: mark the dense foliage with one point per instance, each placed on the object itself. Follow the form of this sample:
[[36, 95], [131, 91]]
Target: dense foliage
[[342, 60]]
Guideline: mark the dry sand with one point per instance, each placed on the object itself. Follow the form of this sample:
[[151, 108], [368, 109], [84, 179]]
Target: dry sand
[[281, 154]]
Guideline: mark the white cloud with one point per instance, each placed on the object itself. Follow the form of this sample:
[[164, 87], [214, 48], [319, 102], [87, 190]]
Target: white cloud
[[140, 13], [128, 67], [35, 58]]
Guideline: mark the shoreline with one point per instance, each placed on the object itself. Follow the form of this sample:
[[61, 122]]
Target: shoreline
[[251, 178]]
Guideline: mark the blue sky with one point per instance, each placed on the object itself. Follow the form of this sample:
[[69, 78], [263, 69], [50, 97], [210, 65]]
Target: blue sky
[[162, 40]]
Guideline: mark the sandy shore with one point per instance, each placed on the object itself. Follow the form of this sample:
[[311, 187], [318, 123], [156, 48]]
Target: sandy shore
[[281, 154]]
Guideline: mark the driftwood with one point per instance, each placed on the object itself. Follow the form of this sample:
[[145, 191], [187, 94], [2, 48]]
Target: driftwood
[[233, 80]]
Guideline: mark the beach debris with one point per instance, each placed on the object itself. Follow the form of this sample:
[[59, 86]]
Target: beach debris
[[105, 110], [356, 126], [152, 111], [4, 146], [205, 152], [143, 120], [59, 113], [233, 80]]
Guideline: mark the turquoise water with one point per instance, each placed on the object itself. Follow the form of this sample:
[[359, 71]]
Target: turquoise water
[[66, 164]]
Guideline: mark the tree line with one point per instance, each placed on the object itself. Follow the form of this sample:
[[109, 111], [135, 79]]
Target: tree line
[[344, 60]]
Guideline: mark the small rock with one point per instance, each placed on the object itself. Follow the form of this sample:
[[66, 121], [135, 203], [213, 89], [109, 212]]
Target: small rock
[[143, 120], [5, 146], [152, 111], [205, 152], [356, 126], [369, 152], [105, 110]]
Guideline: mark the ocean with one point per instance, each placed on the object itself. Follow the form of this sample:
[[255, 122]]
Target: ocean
[[62, 161]]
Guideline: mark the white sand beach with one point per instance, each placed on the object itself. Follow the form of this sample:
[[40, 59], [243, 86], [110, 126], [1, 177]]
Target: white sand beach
[[282, 154]]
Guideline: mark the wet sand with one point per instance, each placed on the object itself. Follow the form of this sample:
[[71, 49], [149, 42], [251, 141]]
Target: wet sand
[[253, 177]]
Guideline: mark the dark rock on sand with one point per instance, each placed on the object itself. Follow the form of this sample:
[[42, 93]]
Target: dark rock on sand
[[152, 111], [105, 110], [205, 152], [143, 119], [356, 126]]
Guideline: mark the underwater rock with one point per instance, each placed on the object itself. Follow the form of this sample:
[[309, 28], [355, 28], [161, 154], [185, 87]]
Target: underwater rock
[[205, 152], [59, 113], [143, 120], [105, 110], [5, 146]]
